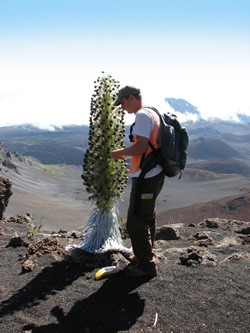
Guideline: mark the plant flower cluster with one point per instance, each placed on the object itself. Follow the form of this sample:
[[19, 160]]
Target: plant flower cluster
[[105, 179]]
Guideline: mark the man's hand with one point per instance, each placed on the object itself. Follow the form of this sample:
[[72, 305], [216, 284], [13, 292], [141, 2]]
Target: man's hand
[[117, 154], [138, 148]]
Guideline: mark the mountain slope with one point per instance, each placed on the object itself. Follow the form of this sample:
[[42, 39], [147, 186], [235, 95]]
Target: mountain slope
[[233, 207], [223, 166], [182, 106], [54, 195], [206, 148], [61, 146]]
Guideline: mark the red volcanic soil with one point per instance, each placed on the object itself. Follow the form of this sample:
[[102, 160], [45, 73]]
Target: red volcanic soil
[[234, 207], [224, 166]]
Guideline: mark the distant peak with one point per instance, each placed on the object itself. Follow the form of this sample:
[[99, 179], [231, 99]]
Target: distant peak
[[182, 106], [243, 117]]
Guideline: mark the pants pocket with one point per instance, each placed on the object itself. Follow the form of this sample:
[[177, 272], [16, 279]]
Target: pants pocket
[[147, 204]]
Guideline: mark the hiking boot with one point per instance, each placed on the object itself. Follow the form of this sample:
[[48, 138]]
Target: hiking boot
[[134, 271]]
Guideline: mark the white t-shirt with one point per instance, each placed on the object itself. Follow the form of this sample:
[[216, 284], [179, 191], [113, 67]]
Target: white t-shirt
[[144, 124]]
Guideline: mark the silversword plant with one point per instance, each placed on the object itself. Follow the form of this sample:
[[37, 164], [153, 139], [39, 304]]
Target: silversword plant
[[104, 178]]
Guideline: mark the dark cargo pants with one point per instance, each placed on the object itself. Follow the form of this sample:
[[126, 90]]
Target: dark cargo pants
[[141, 223]]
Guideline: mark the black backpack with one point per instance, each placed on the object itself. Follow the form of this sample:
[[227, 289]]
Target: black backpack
[[173, 141]]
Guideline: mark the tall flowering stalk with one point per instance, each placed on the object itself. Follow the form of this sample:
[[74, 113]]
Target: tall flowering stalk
[[105, 179]]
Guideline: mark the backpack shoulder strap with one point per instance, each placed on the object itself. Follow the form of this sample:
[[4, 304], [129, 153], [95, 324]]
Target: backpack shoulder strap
[[131, 139], [161, 124], [154, 150], [132, 126], [152, 108], [149, 143]]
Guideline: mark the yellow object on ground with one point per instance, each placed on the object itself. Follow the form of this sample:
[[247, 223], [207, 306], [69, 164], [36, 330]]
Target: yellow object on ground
[[106, 271]]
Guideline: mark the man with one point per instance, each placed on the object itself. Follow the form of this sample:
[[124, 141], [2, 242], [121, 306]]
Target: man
[[141, 223]]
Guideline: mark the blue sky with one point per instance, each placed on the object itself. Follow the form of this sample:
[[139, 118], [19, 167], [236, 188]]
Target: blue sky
[[51, 51]]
